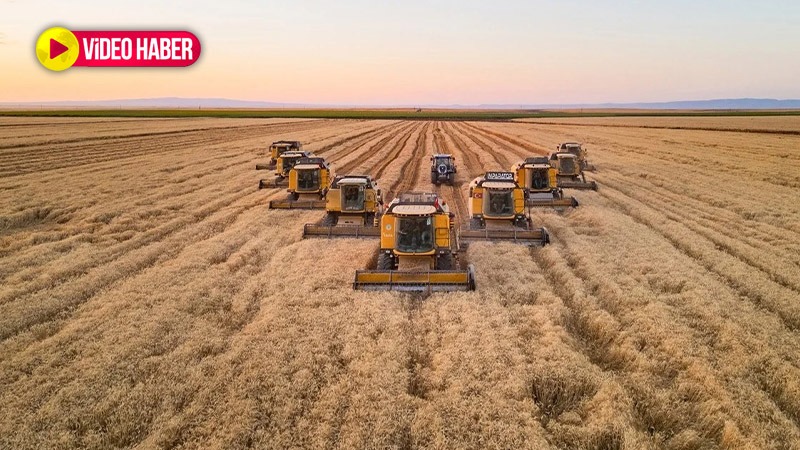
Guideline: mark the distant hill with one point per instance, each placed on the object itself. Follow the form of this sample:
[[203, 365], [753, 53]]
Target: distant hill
[[215, 103]]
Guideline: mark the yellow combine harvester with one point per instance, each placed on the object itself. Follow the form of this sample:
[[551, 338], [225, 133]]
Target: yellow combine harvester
[[497, 212], [286, 161], [419, 251], [570, 175], [577, 150], [539, 181], [353, 207], [308, 185], [276, 150]]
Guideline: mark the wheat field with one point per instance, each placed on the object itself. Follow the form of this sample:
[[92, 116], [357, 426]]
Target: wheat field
[[150, 299]]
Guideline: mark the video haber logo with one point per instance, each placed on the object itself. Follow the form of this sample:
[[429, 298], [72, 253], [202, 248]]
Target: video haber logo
[[59, 48]]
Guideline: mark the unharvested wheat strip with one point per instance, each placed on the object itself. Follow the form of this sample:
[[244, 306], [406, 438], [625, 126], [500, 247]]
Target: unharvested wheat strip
[[194, 193], [785, 338], [191, 176], [741, 142], [180, 147], [766, 123], [714, 212], [618, 297], [757, 287], [719, 163], [33, 256], [350, 370], [39, 152], [719, 157], [131, 188], [47, 304], [164, 306], [611, 148], [79, 154], [154, 130], [760, 255], [643, 375], [89, 161]]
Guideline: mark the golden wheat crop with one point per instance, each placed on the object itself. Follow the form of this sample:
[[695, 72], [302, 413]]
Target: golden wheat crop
[[150, 299]]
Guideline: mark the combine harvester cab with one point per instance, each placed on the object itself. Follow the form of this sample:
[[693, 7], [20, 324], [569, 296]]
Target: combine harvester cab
[[284, 165], [353, 207], [308, 185], [569, 174], [418, 251], [577, 150], [497, 212], [539, 181], [443, 169], [276, 149]]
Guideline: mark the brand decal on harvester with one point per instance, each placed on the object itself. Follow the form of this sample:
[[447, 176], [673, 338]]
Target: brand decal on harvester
[[499, 176], [59, 48]]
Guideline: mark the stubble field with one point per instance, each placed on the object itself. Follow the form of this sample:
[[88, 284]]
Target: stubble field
[[150, 299]]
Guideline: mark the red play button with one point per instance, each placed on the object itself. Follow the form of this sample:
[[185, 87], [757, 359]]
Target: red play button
[[56, 48]]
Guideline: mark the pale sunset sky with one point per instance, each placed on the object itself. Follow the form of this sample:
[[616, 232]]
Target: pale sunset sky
[[414, 52]]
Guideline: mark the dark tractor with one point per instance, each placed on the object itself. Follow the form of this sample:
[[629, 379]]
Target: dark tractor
[[443, 169]]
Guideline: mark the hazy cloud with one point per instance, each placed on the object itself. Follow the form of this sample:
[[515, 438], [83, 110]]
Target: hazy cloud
[[2, 38]]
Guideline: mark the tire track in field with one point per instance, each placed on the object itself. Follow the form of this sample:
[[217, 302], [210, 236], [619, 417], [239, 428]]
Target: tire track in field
[[499, 138], [407, 181], [502, 162], [453, 194], [365, 134], [374, 151]]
